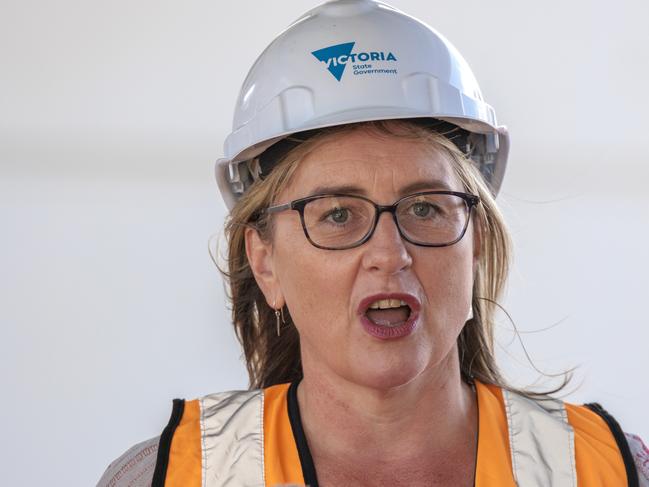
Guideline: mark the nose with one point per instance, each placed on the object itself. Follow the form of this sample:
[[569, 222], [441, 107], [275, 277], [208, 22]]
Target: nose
[[386, 251]]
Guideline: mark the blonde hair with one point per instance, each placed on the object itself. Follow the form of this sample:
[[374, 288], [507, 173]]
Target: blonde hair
[[273, 359]]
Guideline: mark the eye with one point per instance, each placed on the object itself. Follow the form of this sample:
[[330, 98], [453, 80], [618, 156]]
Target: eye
[[422, 209], [338, 215]]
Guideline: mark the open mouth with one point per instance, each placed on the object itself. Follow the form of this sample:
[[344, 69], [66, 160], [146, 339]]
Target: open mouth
[[388, 312]]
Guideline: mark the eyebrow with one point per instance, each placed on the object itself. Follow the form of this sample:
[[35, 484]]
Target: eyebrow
[[423, 185]]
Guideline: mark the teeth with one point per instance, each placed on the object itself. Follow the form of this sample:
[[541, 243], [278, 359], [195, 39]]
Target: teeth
[[387, 303]]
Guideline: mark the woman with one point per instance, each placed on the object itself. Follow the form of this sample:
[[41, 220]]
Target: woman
[[366, 254]]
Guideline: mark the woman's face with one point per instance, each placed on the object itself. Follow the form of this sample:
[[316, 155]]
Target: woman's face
[[327, 291]]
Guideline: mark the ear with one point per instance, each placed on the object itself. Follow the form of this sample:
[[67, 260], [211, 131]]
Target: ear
[[260, 258], [477, 241]]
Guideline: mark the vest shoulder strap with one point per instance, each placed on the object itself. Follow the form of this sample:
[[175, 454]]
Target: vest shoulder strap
[[541, 441], [214, 441], [233, 439], [599, 434], [561, 444], [620, 439], [179, 451]]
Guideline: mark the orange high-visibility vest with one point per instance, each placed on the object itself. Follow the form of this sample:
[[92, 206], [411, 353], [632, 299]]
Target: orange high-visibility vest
[[255, 439]]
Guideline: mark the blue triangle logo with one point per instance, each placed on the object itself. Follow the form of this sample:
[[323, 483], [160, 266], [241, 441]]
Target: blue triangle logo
[[332, 54]]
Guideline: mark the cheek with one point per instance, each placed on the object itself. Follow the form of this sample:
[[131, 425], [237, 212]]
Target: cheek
[[446, 276], [316, 284]]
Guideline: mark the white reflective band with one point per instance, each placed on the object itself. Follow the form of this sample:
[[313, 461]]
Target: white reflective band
[[232, 435], [541, 442]]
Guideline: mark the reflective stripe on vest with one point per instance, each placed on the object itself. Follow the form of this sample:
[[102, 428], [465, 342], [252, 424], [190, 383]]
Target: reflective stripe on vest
[[246, 438], [233, 439], [541, 442]]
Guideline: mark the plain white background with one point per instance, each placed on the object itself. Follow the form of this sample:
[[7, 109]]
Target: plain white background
[[111, 115]]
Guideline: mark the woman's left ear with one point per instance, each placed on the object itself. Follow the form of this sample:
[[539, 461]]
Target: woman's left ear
[[477, 242]]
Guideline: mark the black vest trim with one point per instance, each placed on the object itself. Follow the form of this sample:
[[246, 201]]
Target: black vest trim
[[618, 434], [162, 460], [306, 461]]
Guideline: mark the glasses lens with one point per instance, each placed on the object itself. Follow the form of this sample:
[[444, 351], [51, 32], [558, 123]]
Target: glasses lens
[[433, 219], [336, 222]]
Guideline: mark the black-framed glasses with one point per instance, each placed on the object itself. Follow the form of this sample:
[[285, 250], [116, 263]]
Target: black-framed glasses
[[343, 221]]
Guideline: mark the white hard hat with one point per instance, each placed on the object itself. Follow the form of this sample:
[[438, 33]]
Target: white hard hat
[[350, 61]]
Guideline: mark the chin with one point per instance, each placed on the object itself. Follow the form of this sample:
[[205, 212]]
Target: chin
[[390, 375]]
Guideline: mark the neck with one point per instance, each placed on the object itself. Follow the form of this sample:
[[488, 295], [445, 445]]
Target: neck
[[435, 414]]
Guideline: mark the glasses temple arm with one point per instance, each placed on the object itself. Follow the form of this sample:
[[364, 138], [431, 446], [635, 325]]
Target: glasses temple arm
[[278, 208]]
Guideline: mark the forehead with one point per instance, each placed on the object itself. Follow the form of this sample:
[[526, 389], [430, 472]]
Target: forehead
[[373, 164]]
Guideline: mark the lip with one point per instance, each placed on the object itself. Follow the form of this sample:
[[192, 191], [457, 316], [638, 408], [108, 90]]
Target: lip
[[387, 333]]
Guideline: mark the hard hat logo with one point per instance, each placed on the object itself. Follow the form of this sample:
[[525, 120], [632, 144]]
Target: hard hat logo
[[336, 57], [330, 56]]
